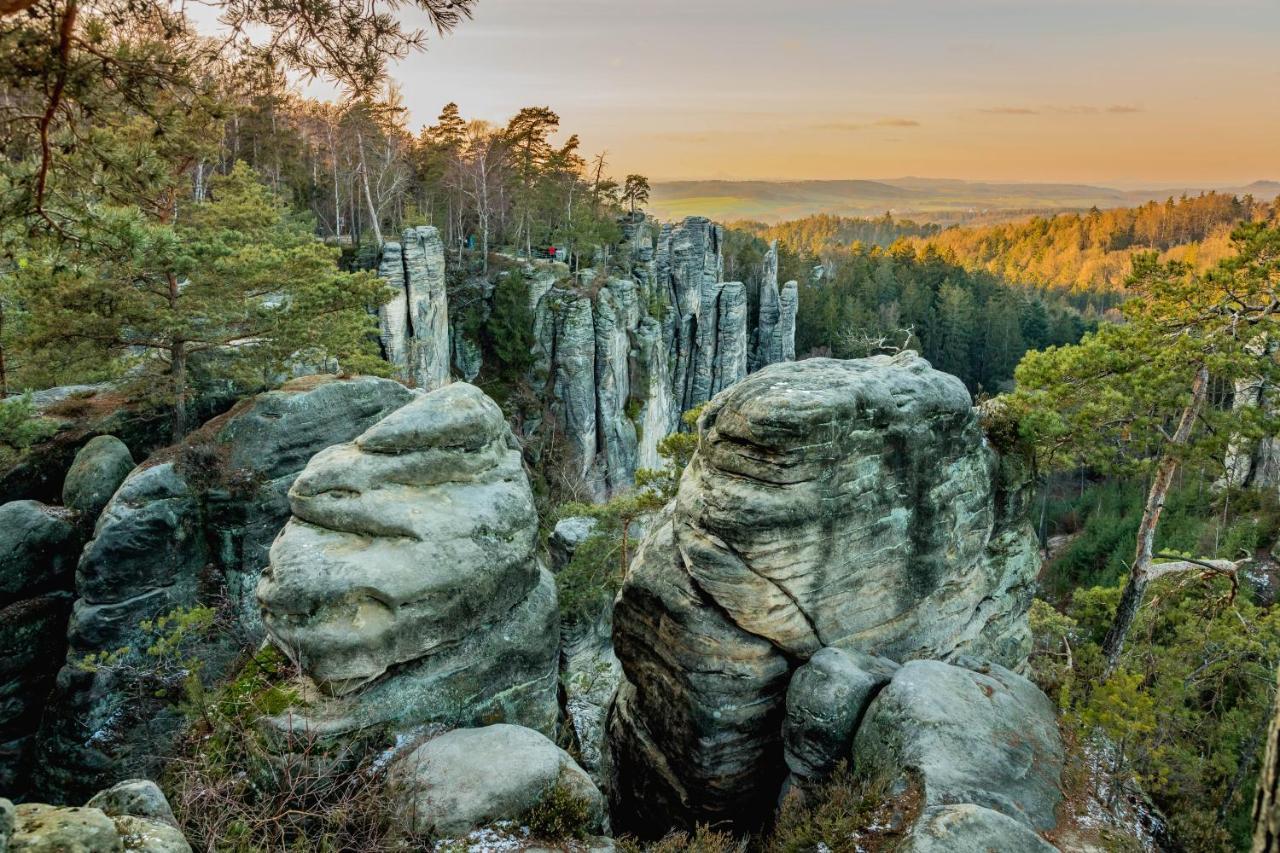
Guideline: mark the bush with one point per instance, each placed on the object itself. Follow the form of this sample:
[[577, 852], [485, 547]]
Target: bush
[[560, 814], [848, 814], [234, 790], [20, 427], [702, 840]]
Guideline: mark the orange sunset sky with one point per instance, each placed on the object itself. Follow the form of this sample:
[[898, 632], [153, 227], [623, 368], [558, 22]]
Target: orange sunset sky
[[1122, 92]]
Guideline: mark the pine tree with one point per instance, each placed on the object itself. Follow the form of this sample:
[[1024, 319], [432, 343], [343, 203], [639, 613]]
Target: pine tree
[[240, 290]]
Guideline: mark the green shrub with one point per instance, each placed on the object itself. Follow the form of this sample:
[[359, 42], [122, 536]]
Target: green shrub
[[847, 814], [703, 840], [561, 814], [20, 427]]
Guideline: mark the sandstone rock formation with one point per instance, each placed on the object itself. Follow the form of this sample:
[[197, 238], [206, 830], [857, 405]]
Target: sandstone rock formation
[[971, 829], [191, 526], [415, 322], [775, 336], [826, 700], [849, 504], [662, 333], [38, 546], [407, 585], [467, 778], [133, 816], [98, 470], [980, 736]]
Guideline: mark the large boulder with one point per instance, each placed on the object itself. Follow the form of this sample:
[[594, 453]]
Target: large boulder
[[971, 829], [825, 703], [467, 778], [38, 546], [189, 527], [413, 549], [133, 817], [97, 471], [830, 503], [981, 736]]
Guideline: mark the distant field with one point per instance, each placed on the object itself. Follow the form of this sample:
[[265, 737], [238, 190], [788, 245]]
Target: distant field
[[920, 198]]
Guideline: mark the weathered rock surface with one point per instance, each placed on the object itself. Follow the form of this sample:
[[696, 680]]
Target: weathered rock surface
[[136, 798], [38, 546], [661, 334], [132, 818], [971, 829], [589, 677], [983, 736], [467, 778], [190, 527], [825, 703], [851, 504], [775, 335], [414, 324], [413, 549], [568, 534], [98, 470]]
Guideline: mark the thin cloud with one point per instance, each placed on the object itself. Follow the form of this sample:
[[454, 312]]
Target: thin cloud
[[853, 126], [1063, 109]]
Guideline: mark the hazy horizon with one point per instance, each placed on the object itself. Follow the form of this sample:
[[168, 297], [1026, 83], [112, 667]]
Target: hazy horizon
[[1126, 94]]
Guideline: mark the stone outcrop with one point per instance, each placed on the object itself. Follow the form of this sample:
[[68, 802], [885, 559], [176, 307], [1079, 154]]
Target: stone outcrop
[[975, 735], [468, 778], [849, 504], [662, 333], [38, 547], [971, 829], [1255, 462], [826, 700], [407, 585], [414, 324], [775, 335], [98, 470], [133, 816], [191, 526]]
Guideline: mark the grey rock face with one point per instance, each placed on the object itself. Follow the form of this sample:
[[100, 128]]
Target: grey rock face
[[568, 534], [467, 778], [38, 546], [985, 737], [850, 504], [135, 798], [8, 816], [414, 324], [971, 829], [98, 470], [825, 702], [413, 547], [132, 817], [589, 677], [574, 386], [1255, 462], [662, 334], [171, 526], [776, 324]]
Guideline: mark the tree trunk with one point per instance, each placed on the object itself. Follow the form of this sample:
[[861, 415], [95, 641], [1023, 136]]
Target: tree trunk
[[178, 380], [1266, 805], [1139, 574], [368, 195]]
